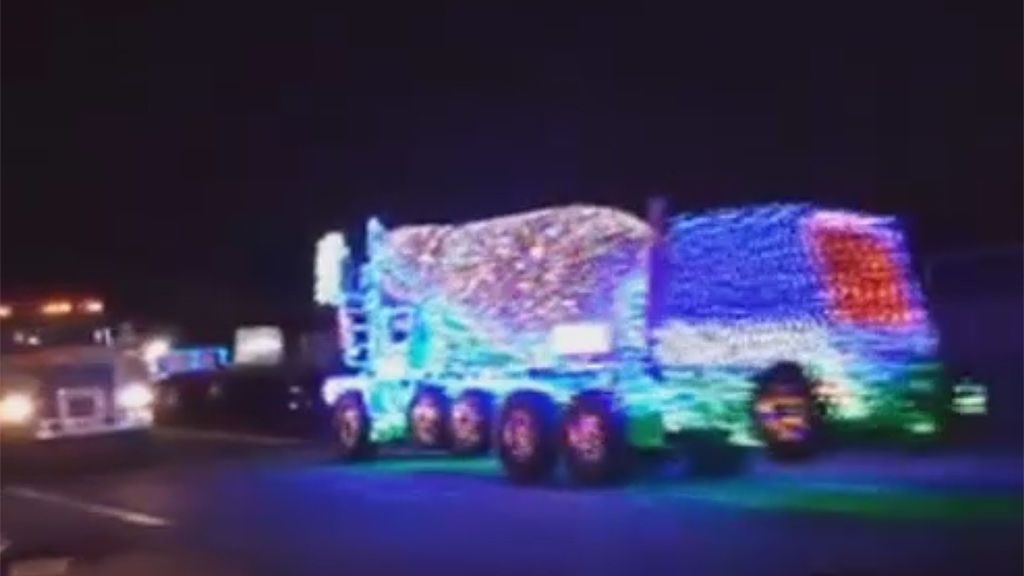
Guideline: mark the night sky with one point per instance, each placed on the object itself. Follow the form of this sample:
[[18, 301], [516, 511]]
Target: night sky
[[182, 159]]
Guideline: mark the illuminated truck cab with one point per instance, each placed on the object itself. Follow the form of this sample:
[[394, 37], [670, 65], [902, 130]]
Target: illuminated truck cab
[[62, 375]]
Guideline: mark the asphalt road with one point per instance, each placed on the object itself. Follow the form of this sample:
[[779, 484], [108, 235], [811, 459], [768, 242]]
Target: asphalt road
[[198, 505]]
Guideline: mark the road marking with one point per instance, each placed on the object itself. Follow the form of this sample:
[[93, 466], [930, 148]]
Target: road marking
[[127, 516], [216, 435], [41, 567]]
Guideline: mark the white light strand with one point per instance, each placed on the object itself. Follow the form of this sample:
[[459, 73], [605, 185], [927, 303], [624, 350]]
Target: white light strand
[[331, 254]]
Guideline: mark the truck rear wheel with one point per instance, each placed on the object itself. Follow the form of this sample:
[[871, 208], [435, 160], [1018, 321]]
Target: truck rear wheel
[[594, 439], [470, 423], [785, 412], [352, 427], [428, 418], [528, 436]]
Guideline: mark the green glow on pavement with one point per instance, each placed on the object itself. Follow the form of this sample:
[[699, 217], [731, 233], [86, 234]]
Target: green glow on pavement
[[472, 466], [886, 502], [923, 427], [871, 501]]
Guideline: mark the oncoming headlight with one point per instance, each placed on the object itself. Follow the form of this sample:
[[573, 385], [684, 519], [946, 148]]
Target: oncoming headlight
[[135, 396], [16, 408]]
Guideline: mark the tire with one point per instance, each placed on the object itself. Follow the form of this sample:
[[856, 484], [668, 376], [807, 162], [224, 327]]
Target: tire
[[469, 423], [351, 423], [528, 437], [594, 439], [427, 418], [786, 413]]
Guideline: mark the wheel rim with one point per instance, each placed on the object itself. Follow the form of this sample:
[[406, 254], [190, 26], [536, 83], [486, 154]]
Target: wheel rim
[[466, 424], [784, 416], [586, 437], [350, 424], [519, 435], [426, 421]]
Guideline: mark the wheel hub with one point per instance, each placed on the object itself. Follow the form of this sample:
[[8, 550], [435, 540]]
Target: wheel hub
[[519, 435], [349, 426], [587, 438], [426, 421], [466, 423], [785, 416]]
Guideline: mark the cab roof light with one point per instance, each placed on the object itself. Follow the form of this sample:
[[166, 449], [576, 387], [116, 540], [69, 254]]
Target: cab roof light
[[56, 308], [92, 306]]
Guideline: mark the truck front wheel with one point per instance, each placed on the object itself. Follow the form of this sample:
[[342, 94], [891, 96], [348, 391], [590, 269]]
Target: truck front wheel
[[594, 439], [352, 427], [528, 436], [785, 412]]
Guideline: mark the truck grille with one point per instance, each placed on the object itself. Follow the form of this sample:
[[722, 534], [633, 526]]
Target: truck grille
[[81, 391], [81, 403], [81, 406]]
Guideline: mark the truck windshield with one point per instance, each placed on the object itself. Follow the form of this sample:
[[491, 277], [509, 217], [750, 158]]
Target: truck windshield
[[31, 337]]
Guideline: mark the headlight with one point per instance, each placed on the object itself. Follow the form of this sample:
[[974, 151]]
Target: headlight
[[134, 396], [154, 349], [16, 408]]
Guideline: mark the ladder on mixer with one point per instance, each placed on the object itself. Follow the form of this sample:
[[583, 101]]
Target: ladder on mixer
[[355, 331]]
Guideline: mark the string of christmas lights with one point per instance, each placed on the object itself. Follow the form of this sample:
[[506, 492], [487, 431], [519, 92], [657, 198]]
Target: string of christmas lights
[[740, 290], [780, 262], [331, 254], [831, 290], [507, 281]]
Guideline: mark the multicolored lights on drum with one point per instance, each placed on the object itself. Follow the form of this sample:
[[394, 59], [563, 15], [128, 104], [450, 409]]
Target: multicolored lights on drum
[[507, 282]]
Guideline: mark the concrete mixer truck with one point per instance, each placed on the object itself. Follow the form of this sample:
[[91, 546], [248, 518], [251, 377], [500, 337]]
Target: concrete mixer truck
[[579, 334]]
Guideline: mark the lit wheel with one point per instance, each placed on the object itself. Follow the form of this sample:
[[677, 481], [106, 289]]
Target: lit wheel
[[428, 418], [469, 423], [785, 412], [594, 439], [527, 437], [352, 427]]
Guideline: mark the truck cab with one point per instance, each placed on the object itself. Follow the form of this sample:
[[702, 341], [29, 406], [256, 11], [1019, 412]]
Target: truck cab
[[64, 373]]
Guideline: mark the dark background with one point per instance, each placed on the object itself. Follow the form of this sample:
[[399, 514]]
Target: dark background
[[182, 159]]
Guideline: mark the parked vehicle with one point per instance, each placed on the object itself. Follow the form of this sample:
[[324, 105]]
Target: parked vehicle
[[270, 385], [581, 333], [272, 400]]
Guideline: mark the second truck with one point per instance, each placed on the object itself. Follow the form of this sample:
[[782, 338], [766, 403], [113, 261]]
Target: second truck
[[64, 375]]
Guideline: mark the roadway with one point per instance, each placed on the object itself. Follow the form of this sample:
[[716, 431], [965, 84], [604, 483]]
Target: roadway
[[196, 503]]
